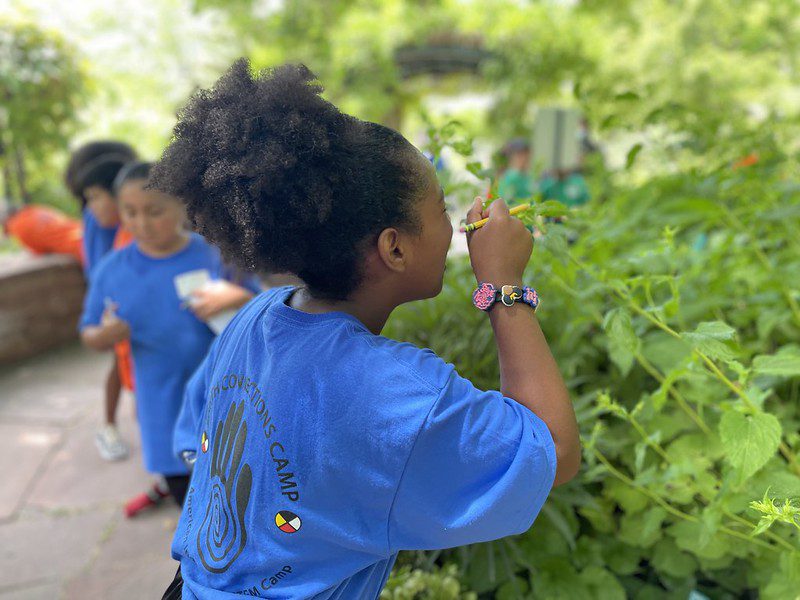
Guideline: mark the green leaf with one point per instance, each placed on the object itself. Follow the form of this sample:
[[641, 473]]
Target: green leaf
[[781, 482], [642, 530], [463, 147], [669, 559], [551, 208], [629, 95], [557, 579], [623, 343], [622, 558], [718, 330], [513, 589], [629, 499], [599, 513], [589, 551], [689, 536], [785, 583], [632, 154], [709, 338], [560, 523], [555, 241], [749, 440], [786, 363], [659, 397], [602, 584], [666, 352], [477, 169]]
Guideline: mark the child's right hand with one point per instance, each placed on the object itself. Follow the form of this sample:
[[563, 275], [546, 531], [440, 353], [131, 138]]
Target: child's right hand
[[499, 251], [114, 329]]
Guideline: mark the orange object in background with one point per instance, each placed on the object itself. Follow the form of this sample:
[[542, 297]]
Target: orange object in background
[[123, 349], [746, 161], [122, 239], [45, 230]]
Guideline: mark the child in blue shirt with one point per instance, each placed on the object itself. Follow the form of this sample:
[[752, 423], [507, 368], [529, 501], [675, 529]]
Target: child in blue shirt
[[90, 177], [135, 294], [321, 448]]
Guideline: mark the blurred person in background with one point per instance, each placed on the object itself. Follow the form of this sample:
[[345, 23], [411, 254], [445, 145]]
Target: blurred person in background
[[90, 177]]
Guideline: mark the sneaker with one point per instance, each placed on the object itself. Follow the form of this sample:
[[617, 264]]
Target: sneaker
[[109, 444], [149, 499]]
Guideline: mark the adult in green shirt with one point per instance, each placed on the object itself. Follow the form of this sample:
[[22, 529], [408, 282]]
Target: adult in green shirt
[[516, 184], [568, 188]]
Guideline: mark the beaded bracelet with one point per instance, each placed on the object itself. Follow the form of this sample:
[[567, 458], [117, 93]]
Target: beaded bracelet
[[486, 295]]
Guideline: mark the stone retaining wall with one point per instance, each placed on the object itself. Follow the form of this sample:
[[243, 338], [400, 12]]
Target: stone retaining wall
[[41, 298]]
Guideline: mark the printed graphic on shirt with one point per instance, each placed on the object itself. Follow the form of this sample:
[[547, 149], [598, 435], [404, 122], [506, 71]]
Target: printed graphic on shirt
[[262, 421], [222, 534], [266, 583], [287, 521], [248, 429]]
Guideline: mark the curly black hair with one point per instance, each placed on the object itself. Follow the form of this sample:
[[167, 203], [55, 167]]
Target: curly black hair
[[282, 181], [96, 163]]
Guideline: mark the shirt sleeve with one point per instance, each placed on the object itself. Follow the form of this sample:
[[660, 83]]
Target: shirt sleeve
[[185, 437], [480, 469], [93, 303]]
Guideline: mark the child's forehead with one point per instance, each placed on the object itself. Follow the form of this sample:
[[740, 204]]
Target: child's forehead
[[136, 192]]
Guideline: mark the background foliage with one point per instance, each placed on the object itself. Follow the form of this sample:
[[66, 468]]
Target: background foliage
[[673, 322], [41, 88]]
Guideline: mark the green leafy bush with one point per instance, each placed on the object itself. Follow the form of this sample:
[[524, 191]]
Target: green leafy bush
[[43, 87], [407, 583], [672, 309]]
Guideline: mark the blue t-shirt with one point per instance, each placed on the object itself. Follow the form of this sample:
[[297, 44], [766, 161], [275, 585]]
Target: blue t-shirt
[[167, 341], [97, 241], [322, 450]]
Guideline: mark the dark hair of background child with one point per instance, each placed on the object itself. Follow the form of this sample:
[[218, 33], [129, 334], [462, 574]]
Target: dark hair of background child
[[133, 171], [282, 181], [96, 163]]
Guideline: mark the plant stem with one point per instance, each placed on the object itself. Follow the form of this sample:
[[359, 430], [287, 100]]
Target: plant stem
[[675, 511], [682, 402], [658, 448], [646, 365], [715, 370]]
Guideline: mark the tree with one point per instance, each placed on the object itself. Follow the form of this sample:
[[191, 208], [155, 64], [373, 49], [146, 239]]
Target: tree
[[41, 89], [693, 78]]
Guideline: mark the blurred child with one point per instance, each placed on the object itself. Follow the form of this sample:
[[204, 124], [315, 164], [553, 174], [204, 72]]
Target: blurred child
[[90, 176], [44, 230], [323, 448], [135, 295]]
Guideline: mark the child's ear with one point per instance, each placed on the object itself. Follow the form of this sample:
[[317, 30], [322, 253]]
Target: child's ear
[[392, 249]]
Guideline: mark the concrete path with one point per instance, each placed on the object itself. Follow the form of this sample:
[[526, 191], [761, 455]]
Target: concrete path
[[62, 531]]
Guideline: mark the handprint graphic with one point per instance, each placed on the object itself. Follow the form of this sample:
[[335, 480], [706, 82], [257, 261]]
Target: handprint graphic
[[222, 534]]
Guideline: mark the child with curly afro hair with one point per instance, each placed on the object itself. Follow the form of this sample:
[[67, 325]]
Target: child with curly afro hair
[[321, 448]]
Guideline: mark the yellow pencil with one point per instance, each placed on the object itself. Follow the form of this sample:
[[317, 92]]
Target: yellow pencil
[[478, 224]]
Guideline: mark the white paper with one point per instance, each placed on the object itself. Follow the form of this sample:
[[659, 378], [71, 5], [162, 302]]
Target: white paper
[[191, 281]]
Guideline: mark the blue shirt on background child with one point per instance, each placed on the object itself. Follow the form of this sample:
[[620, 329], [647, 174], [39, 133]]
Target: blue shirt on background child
[[97, 241], [167, 341], [322, 450]]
